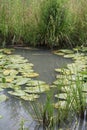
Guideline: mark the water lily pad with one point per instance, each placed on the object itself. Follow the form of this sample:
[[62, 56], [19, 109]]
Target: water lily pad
[[2, 56], [30, 75], [21, 81], [16, 87], [2, 98], [9, 79], [25, 71], [58, 53], [37, 89], [67, 51], [62, 82], [53, 86], [84, 89], [60, 104], [7, 51], [69, 56], [35, 83], [17, 93], [1, 89], [30, 97], [61, 96], [6, 85], [59, 70]]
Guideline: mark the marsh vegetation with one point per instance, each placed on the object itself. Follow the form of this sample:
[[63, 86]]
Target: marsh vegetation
[[50, 23], [41, 22]]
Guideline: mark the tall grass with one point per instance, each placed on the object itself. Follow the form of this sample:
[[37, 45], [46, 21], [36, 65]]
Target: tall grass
[[52, 22]]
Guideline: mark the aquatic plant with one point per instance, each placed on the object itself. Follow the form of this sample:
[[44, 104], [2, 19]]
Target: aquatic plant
[[72, 81], [15, 75]]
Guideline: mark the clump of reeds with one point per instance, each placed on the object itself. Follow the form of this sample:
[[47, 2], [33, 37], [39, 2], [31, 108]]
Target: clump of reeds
[[52, 23]]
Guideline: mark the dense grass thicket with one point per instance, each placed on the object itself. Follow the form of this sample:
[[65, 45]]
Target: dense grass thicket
[[45, 22]]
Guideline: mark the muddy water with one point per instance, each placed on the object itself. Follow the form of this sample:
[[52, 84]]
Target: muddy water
[[13, 111]]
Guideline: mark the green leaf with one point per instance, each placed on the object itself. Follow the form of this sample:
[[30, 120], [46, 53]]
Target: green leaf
[[30, 97], [2, 98]]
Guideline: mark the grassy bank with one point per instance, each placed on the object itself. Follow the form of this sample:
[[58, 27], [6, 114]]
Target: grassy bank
[[53, 23]]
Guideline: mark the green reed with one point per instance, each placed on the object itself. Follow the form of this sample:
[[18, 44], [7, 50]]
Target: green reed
[[60, 23]]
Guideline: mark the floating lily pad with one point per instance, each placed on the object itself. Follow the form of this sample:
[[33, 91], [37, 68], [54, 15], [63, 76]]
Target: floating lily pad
[[3, 98], [58, 53], [61, 96], [60, 104], [16, 87], [69, 56], [37, 89], [30, 75], [10, 72], [30, 97], [9, 79], [53, 86], [17, 93], [65, 89], [62, 82], [21, 81], [35, 83], [84, 89], [59, 70], [16, 71], [7, 51], [1, 89], [2, 56], [6, 85], [67, 51]]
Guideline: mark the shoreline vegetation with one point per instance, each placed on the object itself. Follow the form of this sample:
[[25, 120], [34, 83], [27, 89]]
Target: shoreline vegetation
[[49, 23]]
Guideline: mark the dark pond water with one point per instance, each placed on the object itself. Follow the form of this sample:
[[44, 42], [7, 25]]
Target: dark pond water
[[13, 110]]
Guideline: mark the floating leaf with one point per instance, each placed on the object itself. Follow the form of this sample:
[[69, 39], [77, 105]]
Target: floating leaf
[[2, 98], [84, 89], [30, 97], [62, 82], [10, 72], [1, 89], [16, 87], [69, 56], [9, 79], [58, 53], [60, 104], [17, 93], [6, 85], [37, 89], [30, 75], [21, 81], [59, 70], [2, 56], [61, 96], [67, 51], [35, 83]]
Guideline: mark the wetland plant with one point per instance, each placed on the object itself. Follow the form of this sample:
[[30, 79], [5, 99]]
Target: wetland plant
[[44, 112], [50, 22]]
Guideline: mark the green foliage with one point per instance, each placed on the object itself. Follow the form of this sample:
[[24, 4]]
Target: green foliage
[[52, 22]]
